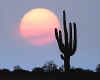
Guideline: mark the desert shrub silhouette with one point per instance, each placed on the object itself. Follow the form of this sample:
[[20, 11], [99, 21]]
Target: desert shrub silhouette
[[79, 70], [50, 67], [68, 49], [19, 69], [4, 70], [38, 69], [98, 68]]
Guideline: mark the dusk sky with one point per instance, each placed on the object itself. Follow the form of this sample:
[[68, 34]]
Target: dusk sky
[[15, 51]]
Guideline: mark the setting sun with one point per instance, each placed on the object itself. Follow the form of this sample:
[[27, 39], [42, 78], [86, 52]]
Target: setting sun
[[37, 26]]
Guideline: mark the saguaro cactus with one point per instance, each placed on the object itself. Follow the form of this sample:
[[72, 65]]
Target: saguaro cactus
[[69, 46]]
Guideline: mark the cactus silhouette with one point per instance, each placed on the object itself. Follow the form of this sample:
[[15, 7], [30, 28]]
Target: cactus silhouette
[[68, 49]]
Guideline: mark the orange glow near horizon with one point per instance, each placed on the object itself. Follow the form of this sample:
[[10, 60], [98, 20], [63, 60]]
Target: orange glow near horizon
[[37, 26]]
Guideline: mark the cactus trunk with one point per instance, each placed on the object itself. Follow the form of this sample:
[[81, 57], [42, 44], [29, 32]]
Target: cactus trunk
[[67, 64]]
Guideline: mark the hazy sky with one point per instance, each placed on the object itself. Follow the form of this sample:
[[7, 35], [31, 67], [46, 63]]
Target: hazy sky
[[15, 51]]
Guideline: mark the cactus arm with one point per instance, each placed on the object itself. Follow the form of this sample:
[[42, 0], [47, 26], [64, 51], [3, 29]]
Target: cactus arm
[[60, 36], [56, 34], [75, 39], [61, 45], [62, 57], [70, 38], [65, 28], [59, 40]]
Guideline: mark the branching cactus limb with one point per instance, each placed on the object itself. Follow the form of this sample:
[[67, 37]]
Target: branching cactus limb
[[69, 46]]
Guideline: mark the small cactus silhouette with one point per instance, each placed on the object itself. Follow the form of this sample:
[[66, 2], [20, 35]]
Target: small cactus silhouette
[[68, 49]]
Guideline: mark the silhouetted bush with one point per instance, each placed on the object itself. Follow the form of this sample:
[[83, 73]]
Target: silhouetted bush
[[80, 70], [4, 70], [98, 68], [50, 67], [38, 69], [19, 69]]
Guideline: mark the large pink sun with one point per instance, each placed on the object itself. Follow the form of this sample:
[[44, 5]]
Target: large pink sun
[[37, 26]]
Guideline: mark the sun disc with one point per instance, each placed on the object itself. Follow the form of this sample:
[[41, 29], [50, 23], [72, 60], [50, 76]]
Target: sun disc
[[37, 26]]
